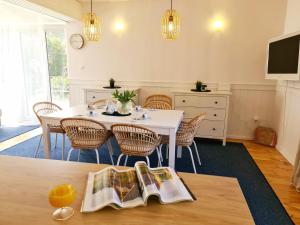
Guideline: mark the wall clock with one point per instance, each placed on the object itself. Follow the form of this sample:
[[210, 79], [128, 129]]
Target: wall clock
[[76, 41]]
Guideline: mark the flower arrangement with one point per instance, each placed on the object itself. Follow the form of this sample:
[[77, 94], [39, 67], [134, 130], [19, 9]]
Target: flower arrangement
[[125, 100], [124, 97]]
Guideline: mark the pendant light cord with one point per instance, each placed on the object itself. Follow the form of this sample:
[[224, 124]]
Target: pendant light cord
[[171, 5], [91, 6]]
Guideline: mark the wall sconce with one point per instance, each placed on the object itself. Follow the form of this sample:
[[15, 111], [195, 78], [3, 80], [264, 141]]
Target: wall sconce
[[217, 25], [119, 26]]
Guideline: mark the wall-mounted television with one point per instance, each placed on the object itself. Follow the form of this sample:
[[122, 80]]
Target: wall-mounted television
[[283, 61]]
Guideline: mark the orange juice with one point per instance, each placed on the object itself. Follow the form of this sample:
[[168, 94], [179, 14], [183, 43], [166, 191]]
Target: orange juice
[[62, 195]]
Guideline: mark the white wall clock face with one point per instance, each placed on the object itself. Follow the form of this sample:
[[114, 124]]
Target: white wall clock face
[[76, 41]]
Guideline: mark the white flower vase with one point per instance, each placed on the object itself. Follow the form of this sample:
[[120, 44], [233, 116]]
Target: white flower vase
[[124, 107]]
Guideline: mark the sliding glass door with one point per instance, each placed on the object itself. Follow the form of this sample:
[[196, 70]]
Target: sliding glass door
[[57, 64], [33, 68]]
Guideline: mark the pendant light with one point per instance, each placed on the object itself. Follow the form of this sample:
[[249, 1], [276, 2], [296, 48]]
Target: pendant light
[[91, 26], [170, 24]]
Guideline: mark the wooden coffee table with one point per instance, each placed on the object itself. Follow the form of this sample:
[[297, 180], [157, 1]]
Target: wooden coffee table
[[25, 184]]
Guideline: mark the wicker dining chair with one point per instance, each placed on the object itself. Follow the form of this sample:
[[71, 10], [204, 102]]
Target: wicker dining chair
[[98, 103], [185, 137], [158, 105], [136, 141], [86, 134], [161, 98], [44, 108]]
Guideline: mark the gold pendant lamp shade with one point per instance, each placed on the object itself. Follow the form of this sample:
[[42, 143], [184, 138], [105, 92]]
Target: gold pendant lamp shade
[[170, 24], [92, 27]]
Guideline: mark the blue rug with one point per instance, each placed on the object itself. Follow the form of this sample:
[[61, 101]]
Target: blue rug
[[10, 132], [231, 161]]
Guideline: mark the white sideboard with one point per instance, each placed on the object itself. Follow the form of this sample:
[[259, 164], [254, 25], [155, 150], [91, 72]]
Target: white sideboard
[[215, 104], [92, 95]]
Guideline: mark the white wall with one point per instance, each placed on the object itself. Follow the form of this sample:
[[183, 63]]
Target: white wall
[[140, 53], [140, 56], [287, 97]]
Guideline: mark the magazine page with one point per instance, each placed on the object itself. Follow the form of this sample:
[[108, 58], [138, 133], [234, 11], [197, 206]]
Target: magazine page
[[112, 187], [163, 182]]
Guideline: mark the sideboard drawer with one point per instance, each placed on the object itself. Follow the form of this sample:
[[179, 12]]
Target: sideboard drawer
[[211, 128], [199, 101], [211, 113], [92, 96]]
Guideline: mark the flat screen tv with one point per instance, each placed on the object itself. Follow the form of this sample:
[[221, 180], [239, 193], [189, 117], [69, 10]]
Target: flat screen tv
[[283, 61]]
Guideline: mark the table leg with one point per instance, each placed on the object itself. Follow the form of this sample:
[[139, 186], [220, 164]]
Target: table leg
[[172, 148], [46, 139]]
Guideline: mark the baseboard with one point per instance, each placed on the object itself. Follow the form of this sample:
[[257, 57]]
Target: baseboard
[[282, 151]]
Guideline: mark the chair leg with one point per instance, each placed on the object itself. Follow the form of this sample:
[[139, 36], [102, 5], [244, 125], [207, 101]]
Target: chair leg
[[55, 140], [69, 154], [109, 146], [192, 157], [167, 151], [148, 161], [97, 155], [119, 158], [158, 157], [126, 160], [37, 149], [160, 152], [63, 147], [78, 156], [197, 153]]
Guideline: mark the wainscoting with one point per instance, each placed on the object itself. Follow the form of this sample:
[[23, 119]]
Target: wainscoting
[[248, 101], [288, 118]]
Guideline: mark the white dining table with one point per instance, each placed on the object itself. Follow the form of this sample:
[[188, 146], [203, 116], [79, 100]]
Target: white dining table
[[163, 122]]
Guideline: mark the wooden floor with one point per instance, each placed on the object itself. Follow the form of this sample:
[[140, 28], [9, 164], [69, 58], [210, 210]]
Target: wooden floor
[[278, 172], [273, 165]]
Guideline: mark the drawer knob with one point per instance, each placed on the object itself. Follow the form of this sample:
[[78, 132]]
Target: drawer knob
[[183, 100], [214, 129], [94, 96], [215, 115], [216, 102]]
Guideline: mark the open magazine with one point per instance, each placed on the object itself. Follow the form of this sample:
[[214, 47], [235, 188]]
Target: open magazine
[[132, 187]]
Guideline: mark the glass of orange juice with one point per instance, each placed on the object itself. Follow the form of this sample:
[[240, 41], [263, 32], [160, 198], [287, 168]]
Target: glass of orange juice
[[61, 197]]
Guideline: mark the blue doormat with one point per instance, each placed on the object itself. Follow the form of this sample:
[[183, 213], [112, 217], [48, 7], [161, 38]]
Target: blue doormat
[[10, 132], [231, 161]]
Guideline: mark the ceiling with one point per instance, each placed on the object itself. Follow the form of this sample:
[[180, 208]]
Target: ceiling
[[12, 14]]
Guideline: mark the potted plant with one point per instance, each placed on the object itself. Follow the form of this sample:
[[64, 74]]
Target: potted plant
[[111, 83], [125, 100], [198, 85]]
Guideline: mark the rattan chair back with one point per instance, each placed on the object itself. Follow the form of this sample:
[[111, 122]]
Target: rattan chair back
[[85, 133], [44, 108], [161, 98], [188, 130], [135, 140], [158, 105]]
